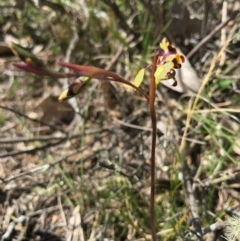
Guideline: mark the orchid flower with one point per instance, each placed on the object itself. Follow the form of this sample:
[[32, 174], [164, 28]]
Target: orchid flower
[[74, 89], [168, 60]]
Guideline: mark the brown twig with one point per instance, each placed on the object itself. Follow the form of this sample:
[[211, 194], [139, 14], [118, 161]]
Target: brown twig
[[206, 6], [210, 35], [16, 153], [205, 19], [31, 139], [191, 201], [51, 137], [225, 176], [62, 139], [46, 167], [223, 32], [111, 166], [31, 119], [214, 227]]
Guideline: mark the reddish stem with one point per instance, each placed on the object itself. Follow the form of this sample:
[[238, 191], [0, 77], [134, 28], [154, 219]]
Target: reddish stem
[[152, 95]]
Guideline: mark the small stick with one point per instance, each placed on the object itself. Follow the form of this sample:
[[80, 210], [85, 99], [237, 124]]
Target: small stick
[[223, 31], [45, 167], [111, 166], [192, 202], [210, 35], [51, 137]]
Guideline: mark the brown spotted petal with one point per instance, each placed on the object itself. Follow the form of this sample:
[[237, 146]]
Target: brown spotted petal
[[166, 49], [168, 53], [168, 60]]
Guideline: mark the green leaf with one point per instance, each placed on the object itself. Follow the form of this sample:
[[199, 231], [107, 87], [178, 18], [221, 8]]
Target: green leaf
[[139, 77], [223, 84]]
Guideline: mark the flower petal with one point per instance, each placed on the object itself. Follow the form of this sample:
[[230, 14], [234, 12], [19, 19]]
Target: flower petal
[[74, 89], [162, 72], [139, 77]]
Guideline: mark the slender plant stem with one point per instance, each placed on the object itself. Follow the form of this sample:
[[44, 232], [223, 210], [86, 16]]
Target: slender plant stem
[[152, 96]]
